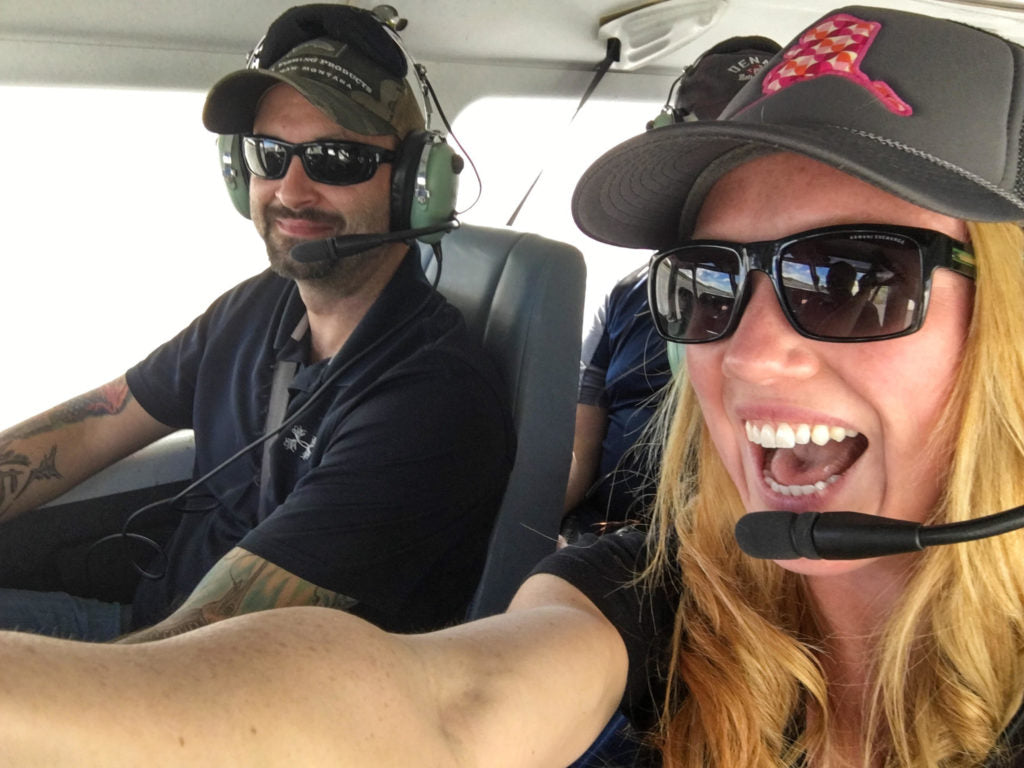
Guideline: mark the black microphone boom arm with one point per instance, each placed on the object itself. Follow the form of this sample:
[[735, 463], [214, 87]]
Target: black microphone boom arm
[[350, 245], [779, 535]]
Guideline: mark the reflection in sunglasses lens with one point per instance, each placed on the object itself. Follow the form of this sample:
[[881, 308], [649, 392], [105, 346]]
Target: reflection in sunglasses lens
[[327, 162], [841, 287], [837, 285]]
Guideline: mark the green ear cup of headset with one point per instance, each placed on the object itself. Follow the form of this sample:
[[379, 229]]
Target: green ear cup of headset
[[436, 188], [234, 172]]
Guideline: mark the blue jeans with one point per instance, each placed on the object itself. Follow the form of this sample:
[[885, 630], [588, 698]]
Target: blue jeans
[[58, 614]]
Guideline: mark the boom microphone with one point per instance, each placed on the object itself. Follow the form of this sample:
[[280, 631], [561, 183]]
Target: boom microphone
[[351, 245], [853, 535]]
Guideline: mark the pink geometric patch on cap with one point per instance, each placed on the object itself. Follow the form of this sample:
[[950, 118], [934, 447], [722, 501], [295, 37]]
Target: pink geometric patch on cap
[[836, 46]]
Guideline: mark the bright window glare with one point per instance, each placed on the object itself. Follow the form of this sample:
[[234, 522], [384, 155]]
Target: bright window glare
[[118, 231], [511, 140]]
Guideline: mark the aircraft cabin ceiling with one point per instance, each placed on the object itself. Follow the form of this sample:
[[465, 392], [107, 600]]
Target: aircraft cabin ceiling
[[57, 40]]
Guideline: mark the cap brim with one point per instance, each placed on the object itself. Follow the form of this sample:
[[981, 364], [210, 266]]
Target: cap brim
[[646, 192], [232, 102]]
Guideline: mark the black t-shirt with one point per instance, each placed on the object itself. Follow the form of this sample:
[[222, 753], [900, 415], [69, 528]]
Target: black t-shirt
[[605, 568], [385, 490]]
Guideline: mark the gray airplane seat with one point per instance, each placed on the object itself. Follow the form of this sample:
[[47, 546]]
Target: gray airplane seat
[[522, 295]]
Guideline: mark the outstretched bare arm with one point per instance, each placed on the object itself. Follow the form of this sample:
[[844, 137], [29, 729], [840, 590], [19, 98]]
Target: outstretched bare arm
[[309, 686]]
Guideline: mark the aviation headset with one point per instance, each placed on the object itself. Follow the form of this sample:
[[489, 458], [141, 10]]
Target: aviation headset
[[423, 189], [703, 90], [424, 174]]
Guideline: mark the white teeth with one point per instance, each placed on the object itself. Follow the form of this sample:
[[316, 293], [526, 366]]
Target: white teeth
[[820, 434], [837, 433], [784, 435], [798, 490]]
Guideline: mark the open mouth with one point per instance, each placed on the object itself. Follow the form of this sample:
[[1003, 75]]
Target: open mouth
[[802, 459]]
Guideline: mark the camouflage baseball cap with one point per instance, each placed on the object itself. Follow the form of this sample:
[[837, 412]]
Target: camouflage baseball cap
[[336, 74]]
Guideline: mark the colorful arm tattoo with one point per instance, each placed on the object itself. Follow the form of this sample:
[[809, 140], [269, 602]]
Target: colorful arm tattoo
[[238, 583], [108, 400]]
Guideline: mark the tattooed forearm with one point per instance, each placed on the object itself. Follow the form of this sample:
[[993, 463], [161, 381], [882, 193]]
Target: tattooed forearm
[[186, 623], [327, 599], [238, 583], [192, 616], [108, 400], [17, 473]]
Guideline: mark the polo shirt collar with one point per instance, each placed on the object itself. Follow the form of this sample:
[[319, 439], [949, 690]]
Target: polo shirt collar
[[402, 295]]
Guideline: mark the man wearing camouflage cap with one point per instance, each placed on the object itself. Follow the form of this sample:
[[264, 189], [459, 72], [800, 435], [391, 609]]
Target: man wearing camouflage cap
[[395, 442]]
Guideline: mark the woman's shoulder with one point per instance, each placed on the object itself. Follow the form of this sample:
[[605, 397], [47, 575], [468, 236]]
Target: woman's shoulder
[[611, 571]]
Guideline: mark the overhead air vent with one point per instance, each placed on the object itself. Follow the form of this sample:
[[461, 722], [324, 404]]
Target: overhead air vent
[[651, 30]]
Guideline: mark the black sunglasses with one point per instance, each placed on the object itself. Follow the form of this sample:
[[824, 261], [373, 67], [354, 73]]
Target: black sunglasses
[[860, 282], [328, 162]]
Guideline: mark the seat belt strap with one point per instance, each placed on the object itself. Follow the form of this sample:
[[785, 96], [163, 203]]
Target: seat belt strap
[[284, 374], [611, 56]]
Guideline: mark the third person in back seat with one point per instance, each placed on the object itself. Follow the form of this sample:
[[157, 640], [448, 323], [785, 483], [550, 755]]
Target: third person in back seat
[[624, 365]]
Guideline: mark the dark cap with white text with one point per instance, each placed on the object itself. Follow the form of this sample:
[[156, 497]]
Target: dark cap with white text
[[353, 73]]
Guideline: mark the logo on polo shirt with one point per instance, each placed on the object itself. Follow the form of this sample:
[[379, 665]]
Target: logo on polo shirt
[[295, 442]]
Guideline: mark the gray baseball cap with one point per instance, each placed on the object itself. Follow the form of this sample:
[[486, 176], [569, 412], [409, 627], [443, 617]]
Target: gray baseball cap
[[927, 109]]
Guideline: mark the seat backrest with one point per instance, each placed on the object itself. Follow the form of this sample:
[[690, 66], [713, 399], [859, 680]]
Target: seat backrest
[[522, 295]]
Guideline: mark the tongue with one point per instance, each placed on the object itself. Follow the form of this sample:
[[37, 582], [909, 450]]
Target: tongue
[[807, 464]]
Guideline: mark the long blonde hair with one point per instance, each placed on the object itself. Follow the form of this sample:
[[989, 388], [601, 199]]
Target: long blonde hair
[[949, 668]]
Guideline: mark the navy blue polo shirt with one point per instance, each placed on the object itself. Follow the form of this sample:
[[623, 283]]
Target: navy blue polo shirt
[[624, 369], [384, 490]]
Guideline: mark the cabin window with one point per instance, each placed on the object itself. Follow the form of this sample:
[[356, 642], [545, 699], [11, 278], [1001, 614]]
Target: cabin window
[[117, 232], [511, 139]]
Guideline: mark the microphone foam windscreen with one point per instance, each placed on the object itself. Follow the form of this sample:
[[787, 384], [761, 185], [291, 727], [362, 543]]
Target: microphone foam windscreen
[[766, 535]]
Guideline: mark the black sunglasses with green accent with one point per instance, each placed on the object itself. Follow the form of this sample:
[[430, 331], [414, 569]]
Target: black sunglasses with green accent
[[339, 163], [862, 282]]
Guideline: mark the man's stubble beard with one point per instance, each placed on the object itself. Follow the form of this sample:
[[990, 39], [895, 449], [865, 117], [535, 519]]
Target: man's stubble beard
[[341, 277]]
